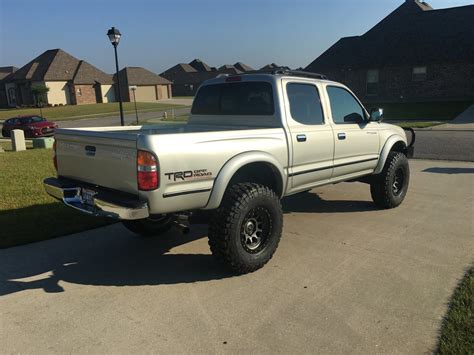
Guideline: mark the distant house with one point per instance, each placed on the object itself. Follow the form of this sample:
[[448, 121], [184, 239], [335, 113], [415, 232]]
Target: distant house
[[5, 75], [187, 78], [415, 54], [70, 81], [270, 66], [243, 67], [149, 86], [229, 69]]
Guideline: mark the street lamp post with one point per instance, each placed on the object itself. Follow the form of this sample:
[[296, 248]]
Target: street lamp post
[[114, 36], [133, 88]]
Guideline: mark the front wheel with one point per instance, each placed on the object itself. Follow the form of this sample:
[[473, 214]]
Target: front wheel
[[149, 227], [245, 230], [389, 188]]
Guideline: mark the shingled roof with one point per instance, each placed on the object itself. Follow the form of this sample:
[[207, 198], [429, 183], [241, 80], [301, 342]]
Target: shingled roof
[[413, 34], [57, 65], [54, 64], [7, 72], [87, 74], [243, 67], [141, 76], [199, 65]]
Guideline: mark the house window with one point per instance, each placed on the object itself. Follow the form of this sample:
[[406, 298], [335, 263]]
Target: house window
[[79, 92], [419, 74], [372, 82]]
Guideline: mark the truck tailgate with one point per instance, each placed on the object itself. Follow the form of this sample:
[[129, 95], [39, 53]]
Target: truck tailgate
[[100, 160]]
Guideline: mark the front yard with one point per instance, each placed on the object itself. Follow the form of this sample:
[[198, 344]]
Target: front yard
[[27, 213], [83, 111]]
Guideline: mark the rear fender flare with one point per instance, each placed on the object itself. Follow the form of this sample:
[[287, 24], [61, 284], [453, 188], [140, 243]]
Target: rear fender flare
[[232, 166]]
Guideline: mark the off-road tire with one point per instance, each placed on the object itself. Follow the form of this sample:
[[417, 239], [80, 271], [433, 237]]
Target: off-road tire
[[382, 188], [228, 229], [149, 227]]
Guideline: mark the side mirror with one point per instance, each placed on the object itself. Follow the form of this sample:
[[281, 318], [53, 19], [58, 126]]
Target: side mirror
[[376, 114]]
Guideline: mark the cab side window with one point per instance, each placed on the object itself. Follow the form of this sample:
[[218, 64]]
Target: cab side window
[[344, 107], [305, 104]]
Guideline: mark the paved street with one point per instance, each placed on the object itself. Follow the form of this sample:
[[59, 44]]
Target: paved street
[[347, 278], [446, 145]]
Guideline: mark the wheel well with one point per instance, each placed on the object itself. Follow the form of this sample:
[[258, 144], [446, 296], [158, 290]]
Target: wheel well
[[399, 147], [260, 173]]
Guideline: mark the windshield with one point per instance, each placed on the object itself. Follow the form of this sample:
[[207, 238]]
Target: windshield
[[243, 98], [34, 119]]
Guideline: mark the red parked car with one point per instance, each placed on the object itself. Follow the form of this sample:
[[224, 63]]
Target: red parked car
[[33, 126]]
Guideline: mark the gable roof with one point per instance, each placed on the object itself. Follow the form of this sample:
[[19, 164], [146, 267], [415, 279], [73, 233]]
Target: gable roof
[[270, 66], [243, 67], [141, 76], [413, 34], [88, 74], [199, 65]]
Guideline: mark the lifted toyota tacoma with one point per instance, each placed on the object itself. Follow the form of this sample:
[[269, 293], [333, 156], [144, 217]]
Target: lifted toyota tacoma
[[250, 140]]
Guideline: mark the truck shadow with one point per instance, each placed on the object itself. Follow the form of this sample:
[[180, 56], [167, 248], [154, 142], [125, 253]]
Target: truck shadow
[[311, 202], [112, 256], [115, 258]]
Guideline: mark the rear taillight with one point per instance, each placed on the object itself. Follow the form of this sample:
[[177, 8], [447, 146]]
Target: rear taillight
[[55, 159], [147, 171]]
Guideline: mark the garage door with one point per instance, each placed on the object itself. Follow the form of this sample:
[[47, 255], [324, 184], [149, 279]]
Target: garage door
[[145, 93], [164, 92]]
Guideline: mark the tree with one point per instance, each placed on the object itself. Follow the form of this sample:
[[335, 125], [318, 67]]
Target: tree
[[39, 91]]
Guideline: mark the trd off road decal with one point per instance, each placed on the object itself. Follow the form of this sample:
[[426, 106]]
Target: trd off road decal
[[189, 174]]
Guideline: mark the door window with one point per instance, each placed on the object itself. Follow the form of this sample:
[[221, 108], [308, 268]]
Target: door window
[[305, 104], [344, 107]]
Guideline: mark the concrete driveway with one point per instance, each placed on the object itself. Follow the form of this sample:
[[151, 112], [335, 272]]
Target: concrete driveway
[[347, 278]]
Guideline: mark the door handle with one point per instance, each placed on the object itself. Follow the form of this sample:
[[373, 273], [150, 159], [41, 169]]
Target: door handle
[[301, 137], [341, 136]]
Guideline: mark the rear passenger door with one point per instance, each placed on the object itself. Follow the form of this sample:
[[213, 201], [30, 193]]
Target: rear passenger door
[[311, 137], [356, 139]]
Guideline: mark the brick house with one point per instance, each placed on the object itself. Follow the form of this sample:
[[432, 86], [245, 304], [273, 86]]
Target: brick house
[[5, 75], [415, 54], [70, 81], [149, 86], [186, 78]]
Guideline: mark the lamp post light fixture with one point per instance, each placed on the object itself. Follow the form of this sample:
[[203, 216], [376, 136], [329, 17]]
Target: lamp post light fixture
[[114, 36], [134, 88]]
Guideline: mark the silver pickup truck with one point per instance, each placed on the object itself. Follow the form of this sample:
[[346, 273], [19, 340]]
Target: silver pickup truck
[[250, 140]]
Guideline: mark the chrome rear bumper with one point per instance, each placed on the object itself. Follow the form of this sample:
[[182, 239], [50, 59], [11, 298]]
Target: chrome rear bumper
[[101, 203]]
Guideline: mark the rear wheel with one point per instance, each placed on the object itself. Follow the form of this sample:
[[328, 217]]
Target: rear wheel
[[389, 188], [245, 230], [5, 133], [149, 227]]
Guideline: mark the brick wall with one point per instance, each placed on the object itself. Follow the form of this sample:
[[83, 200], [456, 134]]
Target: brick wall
[[83, 94], [444, 82]]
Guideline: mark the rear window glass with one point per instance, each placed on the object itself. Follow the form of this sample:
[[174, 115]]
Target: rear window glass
[[244, 98]]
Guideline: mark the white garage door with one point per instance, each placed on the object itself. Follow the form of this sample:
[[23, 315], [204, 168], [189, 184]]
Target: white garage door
[[145, 93]]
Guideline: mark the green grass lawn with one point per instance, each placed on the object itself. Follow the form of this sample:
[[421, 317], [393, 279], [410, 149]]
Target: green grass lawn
[[182, 118], [80, 111], [432, 111], [27, 213], [457, 331]]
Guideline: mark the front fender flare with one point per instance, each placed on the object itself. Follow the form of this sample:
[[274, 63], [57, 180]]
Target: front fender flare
[[230, 168], [391, 141]]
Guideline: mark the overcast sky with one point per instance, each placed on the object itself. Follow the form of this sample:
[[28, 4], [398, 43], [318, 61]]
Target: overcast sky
[[158, 34]]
